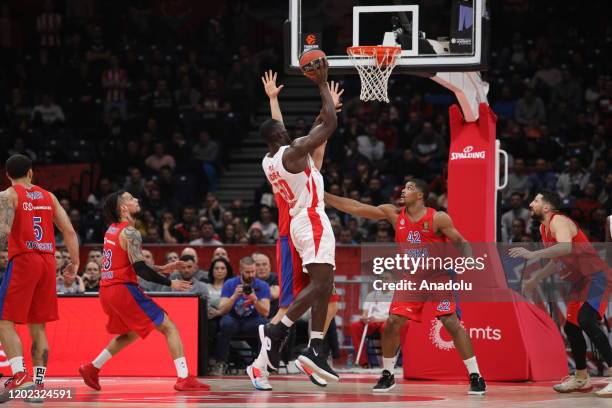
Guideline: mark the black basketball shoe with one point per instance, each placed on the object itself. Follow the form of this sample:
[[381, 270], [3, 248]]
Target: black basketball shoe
[[315, 358], [385, 383], [272, 337], [477, 385]]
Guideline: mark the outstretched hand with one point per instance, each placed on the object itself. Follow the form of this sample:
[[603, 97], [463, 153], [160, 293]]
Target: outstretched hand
[[336, 93], [269, 83], [171, 267]]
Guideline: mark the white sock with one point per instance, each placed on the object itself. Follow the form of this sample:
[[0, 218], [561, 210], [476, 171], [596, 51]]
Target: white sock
[[286, 321], [181, 367], [17, 364], [471, 365], [39, 374], [260, 362], [104, 356], [316, 335], [389, 364]]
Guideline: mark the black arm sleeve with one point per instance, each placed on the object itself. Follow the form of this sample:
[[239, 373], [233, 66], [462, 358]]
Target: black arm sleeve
[[147, 273]]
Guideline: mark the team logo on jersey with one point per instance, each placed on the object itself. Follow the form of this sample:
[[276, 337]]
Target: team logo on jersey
[[426, 226], [402, 222]]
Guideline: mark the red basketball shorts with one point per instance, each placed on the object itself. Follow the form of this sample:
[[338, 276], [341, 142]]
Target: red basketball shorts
[[28, 291], [129, 309]]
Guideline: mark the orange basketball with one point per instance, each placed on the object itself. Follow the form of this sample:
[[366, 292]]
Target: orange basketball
[[309, 59]]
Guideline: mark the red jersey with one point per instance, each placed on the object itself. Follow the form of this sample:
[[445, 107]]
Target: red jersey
[[284, 219], [116, 265], [582, 261], [417, 232], [32, 229]]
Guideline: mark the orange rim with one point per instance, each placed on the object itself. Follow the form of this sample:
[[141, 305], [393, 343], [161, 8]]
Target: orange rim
[[384, 55]]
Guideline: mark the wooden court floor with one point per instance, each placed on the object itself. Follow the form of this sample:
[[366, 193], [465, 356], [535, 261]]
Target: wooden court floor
[[353, 391]]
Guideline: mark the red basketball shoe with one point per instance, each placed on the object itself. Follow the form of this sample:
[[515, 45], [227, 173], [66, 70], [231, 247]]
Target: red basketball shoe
[[90, 375], [190, 383], [19, 381]]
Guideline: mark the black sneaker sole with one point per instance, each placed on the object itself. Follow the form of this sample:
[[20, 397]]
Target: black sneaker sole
[[382, 390], [324, 374]]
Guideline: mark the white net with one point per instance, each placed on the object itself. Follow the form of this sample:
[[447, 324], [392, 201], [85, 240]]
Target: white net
[[374, 65]]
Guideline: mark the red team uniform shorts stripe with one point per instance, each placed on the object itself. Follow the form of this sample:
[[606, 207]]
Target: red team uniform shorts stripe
[[129, 309], [28, 292]]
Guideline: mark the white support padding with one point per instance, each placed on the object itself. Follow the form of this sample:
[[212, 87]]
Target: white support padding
[[468, 87]]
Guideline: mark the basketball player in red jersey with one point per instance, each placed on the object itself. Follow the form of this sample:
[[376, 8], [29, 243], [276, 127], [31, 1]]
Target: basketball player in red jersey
[[292, 279], [291, 170], [591, 285], [28, 294], [131, 313], [430, 226]]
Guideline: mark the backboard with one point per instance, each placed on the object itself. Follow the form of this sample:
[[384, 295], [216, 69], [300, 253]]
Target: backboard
[[435, 35]]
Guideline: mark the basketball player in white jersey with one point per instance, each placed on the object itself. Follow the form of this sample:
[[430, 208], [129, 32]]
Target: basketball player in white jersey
[[291, 171]]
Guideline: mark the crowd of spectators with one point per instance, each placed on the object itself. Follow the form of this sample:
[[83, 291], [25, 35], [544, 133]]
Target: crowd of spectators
[[157, 101]]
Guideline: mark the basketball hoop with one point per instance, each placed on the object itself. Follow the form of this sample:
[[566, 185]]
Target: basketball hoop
[[374, 64]]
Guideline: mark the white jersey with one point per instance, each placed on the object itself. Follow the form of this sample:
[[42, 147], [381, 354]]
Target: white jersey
[[302, 190]]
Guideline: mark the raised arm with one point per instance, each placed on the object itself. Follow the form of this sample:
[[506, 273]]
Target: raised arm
[[382, 212], [8, 201], [61, 219], [269, 83], [319, 153], [293, 158]]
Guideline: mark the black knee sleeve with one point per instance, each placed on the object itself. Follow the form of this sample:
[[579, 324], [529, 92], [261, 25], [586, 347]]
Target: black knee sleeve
[[577, 344]]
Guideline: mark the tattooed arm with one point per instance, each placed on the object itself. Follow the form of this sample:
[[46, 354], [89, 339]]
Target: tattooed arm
[[131, 241], [8, 200]]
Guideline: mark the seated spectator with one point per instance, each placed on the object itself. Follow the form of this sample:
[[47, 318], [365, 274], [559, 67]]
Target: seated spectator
[[207, 235], [518, 181], [586, 205], [220, 271], [375, 312], [429, 148], [573, 180], [160, 158], [267, 225], [70, 283], [530, 109], [95, 255], [172, 257], [201, 274], [263, 271], [59, 263], [180, 231], [369, 145], [244, 305], [220, 253], [48, 112], [346, 238], [188, 272], [518, 231], [542, 178], [146, 285], [91, 277], [135, 183], [255, 235], [517, 211]]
